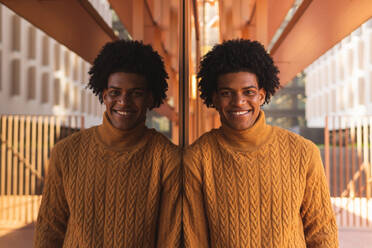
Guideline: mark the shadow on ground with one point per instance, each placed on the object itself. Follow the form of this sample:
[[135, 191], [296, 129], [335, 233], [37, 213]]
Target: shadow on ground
[[18, 238]]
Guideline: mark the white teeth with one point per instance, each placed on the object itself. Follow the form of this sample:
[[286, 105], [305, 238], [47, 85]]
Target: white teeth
[[239, 112], [123, 113]]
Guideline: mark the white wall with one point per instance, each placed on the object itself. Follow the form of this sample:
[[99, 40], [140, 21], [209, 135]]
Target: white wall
[[53, 65], [340, 81]]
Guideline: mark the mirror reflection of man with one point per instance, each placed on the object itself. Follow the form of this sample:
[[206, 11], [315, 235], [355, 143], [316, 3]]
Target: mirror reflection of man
[[116, 184], [249, 184]]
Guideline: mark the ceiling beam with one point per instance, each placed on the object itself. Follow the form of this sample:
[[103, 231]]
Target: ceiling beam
[[73, 23], [321, 26]]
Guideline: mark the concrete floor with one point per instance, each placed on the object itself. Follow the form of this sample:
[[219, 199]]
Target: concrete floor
[[22, 237]]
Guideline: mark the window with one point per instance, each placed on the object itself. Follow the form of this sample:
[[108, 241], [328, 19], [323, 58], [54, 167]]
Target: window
[[75, 99], [82, 102], [45, 88], [15, 84], [350, 93], [16, 33], [341, 66], [333, 71], [45, 47], [342, 98], [83, 72], [94, 105], [31, 87], [75, 68], [361, 55], [67, 63], [56, 92], [326, 77], [31, 51], [57, 57], [361, 88], [350, 61], [333, 101], [67, 96], [89, 104]]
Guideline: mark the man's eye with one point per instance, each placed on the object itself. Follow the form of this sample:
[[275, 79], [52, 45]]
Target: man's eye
[[114, 92], [225, 93], [138, 93], [249, 92]]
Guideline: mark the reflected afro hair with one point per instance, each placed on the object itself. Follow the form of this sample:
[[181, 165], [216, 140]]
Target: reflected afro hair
[[235, 56], [129, 57]]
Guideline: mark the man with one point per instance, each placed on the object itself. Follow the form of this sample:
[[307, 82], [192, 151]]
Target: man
[[249, 184], [117, 184]]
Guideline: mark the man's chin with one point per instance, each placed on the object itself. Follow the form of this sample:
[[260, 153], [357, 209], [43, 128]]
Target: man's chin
[[239, 126]]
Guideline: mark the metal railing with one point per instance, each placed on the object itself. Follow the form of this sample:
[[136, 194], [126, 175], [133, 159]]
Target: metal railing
[[348, 153], [26, 142]]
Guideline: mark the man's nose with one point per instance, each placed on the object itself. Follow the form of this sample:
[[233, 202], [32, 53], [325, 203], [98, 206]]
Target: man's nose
[[239, 99], [123, 99]]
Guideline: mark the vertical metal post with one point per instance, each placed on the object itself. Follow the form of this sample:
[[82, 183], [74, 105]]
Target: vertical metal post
[[326, 152], [334, 161], [347, 158], [365, 163], [353, 189], [360, 167], [340, 164], [197, 111], [184, 52]]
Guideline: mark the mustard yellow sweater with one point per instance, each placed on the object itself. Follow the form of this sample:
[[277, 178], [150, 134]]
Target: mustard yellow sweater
[[261, 187], [110, 188]]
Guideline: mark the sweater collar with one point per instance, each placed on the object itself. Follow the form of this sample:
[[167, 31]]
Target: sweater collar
[[117, 139], [248, 139]]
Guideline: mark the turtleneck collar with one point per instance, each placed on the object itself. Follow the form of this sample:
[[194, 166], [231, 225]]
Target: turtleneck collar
[[248, 139], [117, 139]]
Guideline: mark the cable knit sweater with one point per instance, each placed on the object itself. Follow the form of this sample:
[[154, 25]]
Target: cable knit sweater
[[111, 188], [261, 187]]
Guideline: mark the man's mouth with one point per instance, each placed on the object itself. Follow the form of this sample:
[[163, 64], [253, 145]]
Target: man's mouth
[[240, 113], [124, 113]]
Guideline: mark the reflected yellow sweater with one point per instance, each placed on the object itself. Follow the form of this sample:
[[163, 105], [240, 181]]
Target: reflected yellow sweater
[[261, 187], [111, 188]]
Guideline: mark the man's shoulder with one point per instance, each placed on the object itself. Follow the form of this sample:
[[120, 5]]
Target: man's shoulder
[[159, 140], [288, 137], [203, 144], [72, 141]]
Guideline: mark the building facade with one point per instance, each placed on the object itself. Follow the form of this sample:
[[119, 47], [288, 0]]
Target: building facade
[[339, 83], [39, 76]]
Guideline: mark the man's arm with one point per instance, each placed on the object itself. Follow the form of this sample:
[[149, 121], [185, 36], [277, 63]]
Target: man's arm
[[54, 213], [316, 210], [195, 222], [169, 234]]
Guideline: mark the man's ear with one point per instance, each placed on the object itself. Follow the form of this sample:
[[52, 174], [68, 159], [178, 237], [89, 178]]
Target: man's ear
[[150, 101], [262, 96], [215, 101], [104, 95]]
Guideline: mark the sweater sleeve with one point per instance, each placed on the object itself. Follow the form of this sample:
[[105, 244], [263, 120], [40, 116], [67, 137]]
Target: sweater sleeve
[[316, 211], [195, 222], [169, 233], [54, 213]]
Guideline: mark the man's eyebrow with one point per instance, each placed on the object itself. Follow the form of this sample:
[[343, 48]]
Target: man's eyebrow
[[227, 88], [250, 87], [118, 88]]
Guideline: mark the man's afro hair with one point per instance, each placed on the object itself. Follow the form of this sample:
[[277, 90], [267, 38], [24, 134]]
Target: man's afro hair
[[235, 56], [130, 57]]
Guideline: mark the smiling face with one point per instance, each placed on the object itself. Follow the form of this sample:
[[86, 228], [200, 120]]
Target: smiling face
[[238, 99], [127, 100]]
